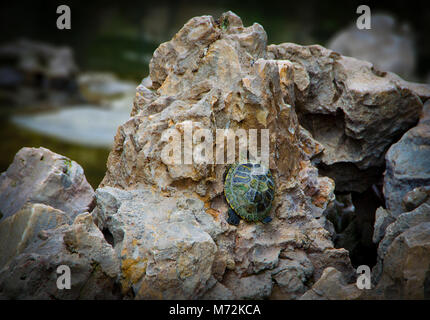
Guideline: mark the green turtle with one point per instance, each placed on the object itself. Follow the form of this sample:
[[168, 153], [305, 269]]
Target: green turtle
[[249, 189]]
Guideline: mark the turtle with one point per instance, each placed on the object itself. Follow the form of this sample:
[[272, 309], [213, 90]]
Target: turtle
[[249, 189]]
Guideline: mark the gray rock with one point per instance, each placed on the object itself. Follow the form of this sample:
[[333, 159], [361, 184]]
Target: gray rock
[[332, 286], [24, 227], [41, 176], [402, 223], [81, 246], [406, 265], [408, 163], [164, 252], [383, 219], [354, 110], [388, 45], [415, 198]]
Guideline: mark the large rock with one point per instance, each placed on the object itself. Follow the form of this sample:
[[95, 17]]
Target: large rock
[[354, 110], [164, 248], [402, 223], [406, 272], [168, 222], [32, 274], [38, 175], [408, 164]]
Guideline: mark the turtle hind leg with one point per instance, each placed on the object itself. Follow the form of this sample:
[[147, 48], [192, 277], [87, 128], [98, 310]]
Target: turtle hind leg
[[233, 218], [266, 220]]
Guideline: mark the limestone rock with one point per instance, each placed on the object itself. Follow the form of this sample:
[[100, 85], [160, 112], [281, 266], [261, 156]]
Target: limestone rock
[[332, 286], [402, 223], [354, 110], [168, 220], [383, 219], [408, 163], [406, 272], [164, 251], [24, 227], [413, 199], [38, 175], [81, 246]]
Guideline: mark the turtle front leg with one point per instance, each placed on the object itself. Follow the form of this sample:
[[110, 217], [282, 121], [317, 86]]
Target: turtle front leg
[[233, 218]]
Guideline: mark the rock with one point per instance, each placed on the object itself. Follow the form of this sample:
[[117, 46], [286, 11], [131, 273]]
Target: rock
[[388, 45], [332, 286], [38, 175], [164, 251], [80, 246], [406, 271], [102, 88], [408, 163], [413, 199], [383, 219], [39, 73], [168, 220], [24, 227], [354, 110], [402, 223]]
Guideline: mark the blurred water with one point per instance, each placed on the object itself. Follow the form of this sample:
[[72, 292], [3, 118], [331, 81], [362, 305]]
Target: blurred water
[[84, 125]]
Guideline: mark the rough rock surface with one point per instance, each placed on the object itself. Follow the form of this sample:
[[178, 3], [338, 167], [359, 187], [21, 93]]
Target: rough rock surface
[[38, 175], [383, 219], [353, 109], [332, 286], [402, 223], [22, 228], [216, 75], [406, 272], [81, 246], [408, 163]]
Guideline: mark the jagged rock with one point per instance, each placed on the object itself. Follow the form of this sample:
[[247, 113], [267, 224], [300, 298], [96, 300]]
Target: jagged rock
[[354, 110], [214, 74], [402, 223], [24, 227], [406, 271], [383, 219], [164, 249], [387, 44], [413, 199], [408, 163], [38, 175], [80, 246], [332, 286]]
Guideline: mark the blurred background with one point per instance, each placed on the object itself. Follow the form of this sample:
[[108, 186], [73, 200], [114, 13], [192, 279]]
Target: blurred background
[[68, 90]]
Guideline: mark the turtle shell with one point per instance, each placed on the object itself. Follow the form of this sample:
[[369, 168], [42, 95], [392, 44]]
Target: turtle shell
[[249, 189]]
